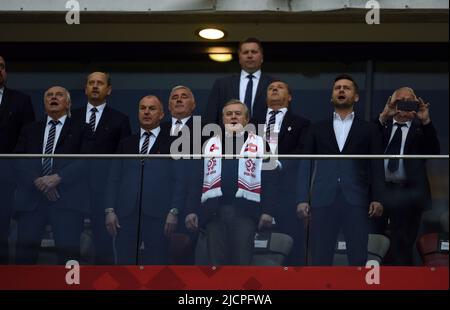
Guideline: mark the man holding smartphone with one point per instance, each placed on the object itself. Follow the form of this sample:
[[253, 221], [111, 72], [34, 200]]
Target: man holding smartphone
[[407, 129]]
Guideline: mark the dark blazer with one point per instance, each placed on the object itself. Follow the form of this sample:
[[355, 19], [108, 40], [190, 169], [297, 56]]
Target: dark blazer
[[164, 185], [361, 181], [227, 88], [291, 140], [72, 188], [112, 127], [167, 126], [291, 137], [421, 140], [16, 111]]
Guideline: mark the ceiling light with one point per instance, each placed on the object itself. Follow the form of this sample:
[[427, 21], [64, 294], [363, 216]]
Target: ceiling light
[[221, 57], [211, 34]]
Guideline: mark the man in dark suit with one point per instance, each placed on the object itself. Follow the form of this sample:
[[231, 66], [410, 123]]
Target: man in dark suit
[[285, 133], [230, 217], [145, 196], [249, 86], [108, 127], [407, 187], [50, 190], [184, 141], [16, 111], [341, 194]]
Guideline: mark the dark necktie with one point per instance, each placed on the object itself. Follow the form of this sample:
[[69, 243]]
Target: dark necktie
[[144, 148], [177, 129], [93, 119], [394, 147], [271, 124], [47, 162], [249, 93]]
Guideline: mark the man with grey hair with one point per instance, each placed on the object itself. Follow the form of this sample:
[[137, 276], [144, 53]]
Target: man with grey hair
[[16, 111], [407, 129], [50, 190], [181, 107]]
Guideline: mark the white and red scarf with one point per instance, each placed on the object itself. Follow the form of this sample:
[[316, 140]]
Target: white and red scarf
[[249, 171]]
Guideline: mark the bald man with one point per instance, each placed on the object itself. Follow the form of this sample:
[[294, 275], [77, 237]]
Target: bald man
[[156, 209], [107, 127], [407, 129]]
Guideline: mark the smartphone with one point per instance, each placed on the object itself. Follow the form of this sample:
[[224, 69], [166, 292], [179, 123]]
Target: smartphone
[[407, 106]]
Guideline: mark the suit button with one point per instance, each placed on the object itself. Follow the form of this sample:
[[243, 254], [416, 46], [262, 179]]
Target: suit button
[[339, 180]]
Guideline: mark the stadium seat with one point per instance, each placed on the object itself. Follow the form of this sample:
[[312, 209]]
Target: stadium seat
[[377, 247], [433, 249], [271, 249], [179, 248]]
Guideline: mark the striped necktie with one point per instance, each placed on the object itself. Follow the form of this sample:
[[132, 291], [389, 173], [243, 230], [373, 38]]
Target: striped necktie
[[47, 162], [144, 148], [271, 124], [178, 125], [93, 119]]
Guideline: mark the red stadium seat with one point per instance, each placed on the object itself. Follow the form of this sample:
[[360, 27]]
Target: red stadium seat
[[433, 249], [180, 248]]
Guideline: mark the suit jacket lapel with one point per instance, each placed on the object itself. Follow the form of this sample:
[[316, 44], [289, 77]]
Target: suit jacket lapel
[[4, 104], [409, 136], [155, 146], [259, 90], [387, 133], [40, 136], [332, 136], [353, 128], [135, 146], [284, 124], [63, 134], [102, 124], [235, 85]]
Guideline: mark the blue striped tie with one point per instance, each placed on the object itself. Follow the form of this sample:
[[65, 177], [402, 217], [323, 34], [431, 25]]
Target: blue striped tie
[[93, 119], [144, 148], [271, 124], [47, 162]]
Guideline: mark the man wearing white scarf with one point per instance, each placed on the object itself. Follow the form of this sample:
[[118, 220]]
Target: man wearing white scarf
[[236, 193]]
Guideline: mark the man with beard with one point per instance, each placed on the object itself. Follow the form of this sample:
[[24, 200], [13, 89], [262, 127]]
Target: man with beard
[[341, 194]]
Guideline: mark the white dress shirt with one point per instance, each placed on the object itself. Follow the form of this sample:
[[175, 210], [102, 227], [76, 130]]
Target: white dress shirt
[[57, 133], [155, 132], [98, 114], [243, 85], [342, 128], [399, 175]]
